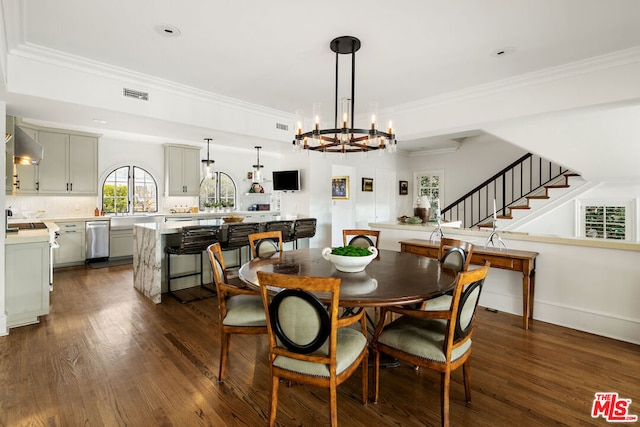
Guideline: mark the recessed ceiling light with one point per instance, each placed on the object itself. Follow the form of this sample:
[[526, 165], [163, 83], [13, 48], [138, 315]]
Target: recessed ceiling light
[[168, 30], [100, 121], [505, 51]]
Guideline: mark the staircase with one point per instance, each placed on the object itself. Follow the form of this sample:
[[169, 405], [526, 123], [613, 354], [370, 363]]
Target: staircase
[[526, 183], [541, 197]]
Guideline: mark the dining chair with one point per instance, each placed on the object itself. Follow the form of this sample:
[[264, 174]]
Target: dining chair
[[309, 343], [265, 244], [458, 260], [240, 311], [438, 340], [456, 255], [362, 238]]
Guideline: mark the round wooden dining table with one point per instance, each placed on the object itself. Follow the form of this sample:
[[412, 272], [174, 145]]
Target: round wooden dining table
[[393, 278]]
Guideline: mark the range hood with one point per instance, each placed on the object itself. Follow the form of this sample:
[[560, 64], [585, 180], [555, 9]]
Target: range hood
[[26, 151]]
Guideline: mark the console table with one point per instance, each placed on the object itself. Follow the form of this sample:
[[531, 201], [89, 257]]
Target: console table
[[506, 259]]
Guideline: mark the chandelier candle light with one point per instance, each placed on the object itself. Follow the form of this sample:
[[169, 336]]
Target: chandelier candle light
[[345, 139]]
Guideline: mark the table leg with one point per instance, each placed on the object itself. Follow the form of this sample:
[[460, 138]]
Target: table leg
[[532, 292], [526, 293]]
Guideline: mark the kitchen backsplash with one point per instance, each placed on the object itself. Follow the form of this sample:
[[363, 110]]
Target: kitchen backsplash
[[68, 207]]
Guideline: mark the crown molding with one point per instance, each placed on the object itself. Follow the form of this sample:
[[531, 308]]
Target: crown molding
[[141, 81], [585, 66], [434, 151]]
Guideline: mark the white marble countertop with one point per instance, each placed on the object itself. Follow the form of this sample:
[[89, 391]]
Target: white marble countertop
[[30, 236]]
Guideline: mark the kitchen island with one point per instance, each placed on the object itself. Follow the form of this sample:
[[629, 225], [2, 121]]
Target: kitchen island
[[149, 260]]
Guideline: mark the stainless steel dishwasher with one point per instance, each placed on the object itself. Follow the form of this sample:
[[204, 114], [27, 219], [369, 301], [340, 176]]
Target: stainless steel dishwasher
[[97, 240]]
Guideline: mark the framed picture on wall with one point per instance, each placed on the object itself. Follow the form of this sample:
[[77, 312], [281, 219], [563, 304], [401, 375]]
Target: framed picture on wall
[[340, 187], [404, 188], [367, 184]]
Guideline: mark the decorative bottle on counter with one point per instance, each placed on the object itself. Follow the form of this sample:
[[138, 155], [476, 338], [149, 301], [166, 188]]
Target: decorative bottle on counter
[[96, 212]]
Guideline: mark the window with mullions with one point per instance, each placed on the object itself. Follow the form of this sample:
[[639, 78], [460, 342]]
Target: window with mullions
[[219, 190], [429, 185], [605, 222], [129, 189]]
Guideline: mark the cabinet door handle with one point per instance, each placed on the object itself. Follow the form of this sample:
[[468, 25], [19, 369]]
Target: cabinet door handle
[[71, 186], [67, 186], [17, 184], [38, 186]]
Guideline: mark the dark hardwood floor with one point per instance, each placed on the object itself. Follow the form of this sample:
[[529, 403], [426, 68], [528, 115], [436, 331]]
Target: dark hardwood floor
[[107, 356]]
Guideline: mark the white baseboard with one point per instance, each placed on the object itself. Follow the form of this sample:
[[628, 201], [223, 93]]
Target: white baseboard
[[3, 325], [604, 324]]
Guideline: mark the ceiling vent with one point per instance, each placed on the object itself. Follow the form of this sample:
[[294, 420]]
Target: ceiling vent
[[282, 126], [135, 94]]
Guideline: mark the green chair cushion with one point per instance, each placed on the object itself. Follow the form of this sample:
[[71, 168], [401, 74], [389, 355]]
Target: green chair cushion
[[443, 302], [350, 345], [245, 310], [423, 338]]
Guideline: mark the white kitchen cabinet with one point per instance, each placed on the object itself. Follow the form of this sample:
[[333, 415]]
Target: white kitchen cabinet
[[182, 170], [72, 248], [26, 282], [70, 164], [121, 243]]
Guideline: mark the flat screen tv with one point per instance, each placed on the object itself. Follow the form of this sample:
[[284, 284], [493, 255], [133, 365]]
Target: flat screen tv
[[286, 180]]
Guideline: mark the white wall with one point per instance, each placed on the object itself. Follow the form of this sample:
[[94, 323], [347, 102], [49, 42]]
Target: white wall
[[359, 209], [477, 159]]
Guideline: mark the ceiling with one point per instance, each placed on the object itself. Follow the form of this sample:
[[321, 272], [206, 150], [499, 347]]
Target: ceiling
[[276, 53]]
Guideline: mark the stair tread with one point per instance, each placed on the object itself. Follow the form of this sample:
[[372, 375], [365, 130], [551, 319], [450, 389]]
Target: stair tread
[[519, 207], [538, 197], [556, 186]]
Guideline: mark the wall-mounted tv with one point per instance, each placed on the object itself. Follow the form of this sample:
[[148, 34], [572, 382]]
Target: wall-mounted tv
[[286, 180]]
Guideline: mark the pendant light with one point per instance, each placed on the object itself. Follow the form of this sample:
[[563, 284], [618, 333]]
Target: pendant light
[[207, 165], [257, 172]]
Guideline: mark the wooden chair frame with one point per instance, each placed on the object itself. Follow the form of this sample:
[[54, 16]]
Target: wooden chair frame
[[275, 236], [226, 291], [329, 285], [363, 232], [451, 342], [447, 243]]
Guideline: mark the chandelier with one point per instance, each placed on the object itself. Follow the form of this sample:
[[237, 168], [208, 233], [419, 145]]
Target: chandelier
[[207, 165], [347, 138]]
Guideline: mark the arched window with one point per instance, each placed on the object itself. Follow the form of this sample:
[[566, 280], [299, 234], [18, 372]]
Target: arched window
[[219, 190], [129, 189]]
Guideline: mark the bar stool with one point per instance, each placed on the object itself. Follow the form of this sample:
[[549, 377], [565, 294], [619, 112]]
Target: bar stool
[[285, 227], [238, 238], [303, 228], [194, 240]]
